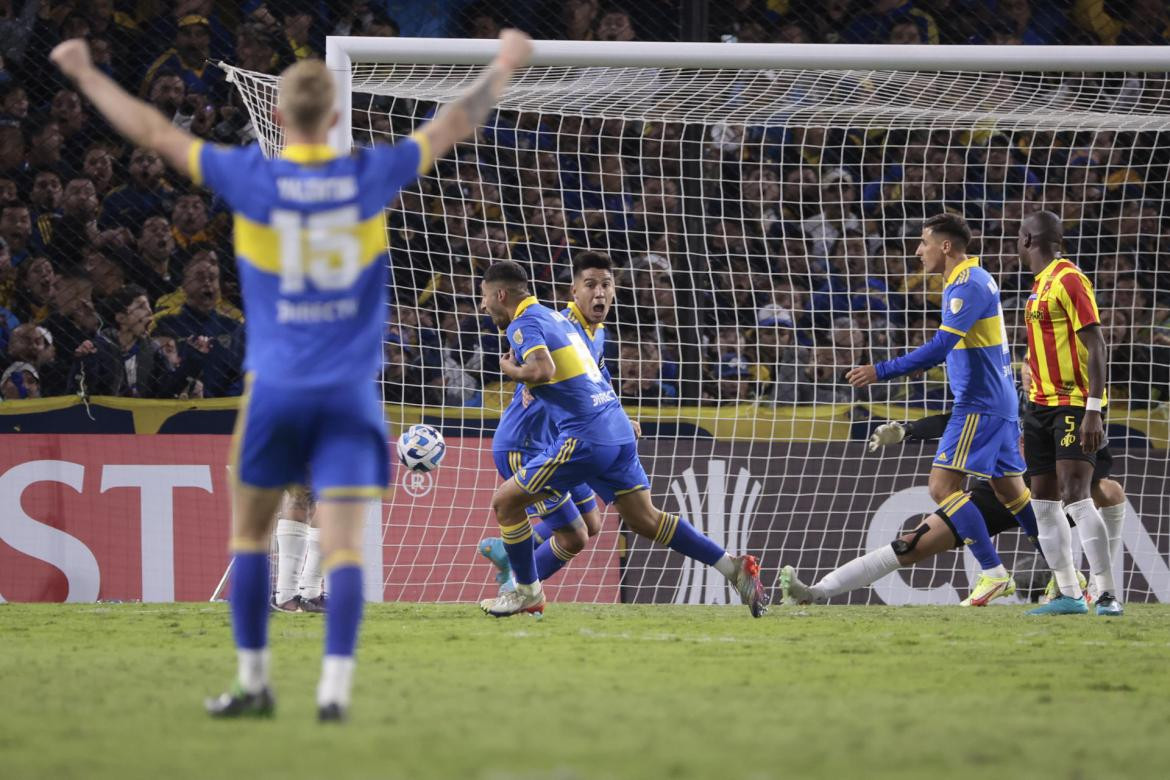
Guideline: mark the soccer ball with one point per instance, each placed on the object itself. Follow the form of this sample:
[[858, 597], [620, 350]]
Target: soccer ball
[[421, 447]]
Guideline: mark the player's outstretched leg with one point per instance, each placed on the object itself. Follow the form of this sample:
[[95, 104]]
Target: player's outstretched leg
[[509, 504], [341, 533], [673, 531], [253, 510]]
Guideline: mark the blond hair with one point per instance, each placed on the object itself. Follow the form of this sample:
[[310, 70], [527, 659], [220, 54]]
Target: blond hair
[[306, 95]]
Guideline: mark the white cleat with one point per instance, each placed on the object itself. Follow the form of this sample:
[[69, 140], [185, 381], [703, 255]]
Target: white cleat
[[526, 599]]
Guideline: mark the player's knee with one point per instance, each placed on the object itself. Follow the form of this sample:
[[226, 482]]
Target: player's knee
[[504, 506], [1073, 490], [1108, 492], [907, 546], [573, 538]]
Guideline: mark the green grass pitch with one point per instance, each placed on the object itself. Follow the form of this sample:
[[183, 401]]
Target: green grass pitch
[[96, 691]]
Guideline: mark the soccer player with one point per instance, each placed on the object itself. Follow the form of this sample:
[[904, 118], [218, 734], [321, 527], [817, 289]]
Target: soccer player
[[1063, 424], [935, 534], [298, 555], [981, 438], [526, 429], [595, 444], [310, 240]]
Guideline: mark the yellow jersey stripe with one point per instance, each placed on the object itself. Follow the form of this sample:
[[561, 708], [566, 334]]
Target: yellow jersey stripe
[[195, 161], [987, 332], [973, 419], [425, 158], [355, 491], [549, 468], [260, 244], [949, 329]]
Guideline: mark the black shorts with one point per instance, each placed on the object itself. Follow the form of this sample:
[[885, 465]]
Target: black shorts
[[1104, 465], [1053, 433]]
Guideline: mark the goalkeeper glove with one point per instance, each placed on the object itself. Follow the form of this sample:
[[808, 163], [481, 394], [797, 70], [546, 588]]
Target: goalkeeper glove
[[886, 434]]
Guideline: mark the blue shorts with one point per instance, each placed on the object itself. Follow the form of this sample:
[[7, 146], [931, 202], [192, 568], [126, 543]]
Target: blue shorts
[[560, 510], [982, 445], [330, 438], [611, 470]]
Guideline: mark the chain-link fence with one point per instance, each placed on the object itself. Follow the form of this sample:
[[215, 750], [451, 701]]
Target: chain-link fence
[[118, 278]]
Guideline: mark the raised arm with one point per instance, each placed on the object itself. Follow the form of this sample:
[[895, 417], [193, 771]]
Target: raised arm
[[137, 121], [457, 120]]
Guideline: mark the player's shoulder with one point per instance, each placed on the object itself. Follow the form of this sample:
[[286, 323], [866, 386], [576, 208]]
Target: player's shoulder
[[1067, 269]]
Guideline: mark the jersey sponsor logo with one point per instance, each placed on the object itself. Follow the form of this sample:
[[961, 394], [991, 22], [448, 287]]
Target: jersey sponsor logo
[[942, 456], [956, 305], [604, 397], [316, 311]]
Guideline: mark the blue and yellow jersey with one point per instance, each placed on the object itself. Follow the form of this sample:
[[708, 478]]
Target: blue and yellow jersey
[[524, 429], [310, 239], [593, 335], [979, 367], [580, 402]]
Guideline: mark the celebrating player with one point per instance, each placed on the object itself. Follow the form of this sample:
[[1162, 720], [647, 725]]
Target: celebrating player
[[310, 240], [595, 444], [1063, 424], [526, 429], [981, 438]]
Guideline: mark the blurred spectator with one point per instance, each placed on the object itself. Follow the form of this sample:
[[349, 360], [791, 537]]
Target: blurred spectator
[[189, 220], [197, 317], [98, 167], [146, 194], [639, 376], [188, 59], [172, 302], [77, 225], [124, 361], [876, 25], [165, 26], [615, 24], [73, 321], [20, 380], [156, 267], [35, 281], [17, 18]]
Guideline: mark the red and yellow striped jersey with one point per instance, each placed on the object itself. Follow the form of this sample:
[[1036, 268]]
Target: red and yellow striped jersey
[[1061, 304]]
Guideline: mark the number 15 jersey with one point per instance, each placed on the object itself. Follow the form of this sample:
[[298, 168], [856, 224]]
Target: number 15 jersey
[[579, 400], [310, 241]]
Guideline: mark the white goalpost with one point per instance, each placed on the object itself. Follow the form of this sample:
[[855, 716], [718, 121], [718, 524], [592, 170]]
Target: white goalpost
[[762, 203]]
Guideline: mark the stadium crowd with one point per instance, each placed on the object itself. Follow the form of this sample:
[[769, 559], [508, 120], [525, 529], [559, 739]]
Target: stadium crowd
[[757, 264]]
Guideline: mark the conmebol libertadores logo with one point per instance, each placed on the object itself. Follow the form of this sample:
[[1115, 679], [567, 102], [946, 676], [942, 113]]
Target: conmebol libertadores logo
[[722, 509]]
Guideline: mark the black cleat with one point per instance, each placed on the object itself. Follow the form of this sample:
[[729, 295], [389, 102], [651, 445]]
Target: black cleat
[[331, 713], [236, 703], [292, 605], [315, 604]]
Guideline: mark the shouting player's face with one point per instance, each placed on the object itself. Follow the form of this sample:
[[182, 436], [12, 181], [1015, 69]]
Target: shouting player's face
[[932, 249], [593, 292], [495, 304]]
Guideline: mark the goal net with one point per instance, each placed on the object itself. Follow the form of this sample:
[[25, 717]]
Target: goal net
[[764, 222]]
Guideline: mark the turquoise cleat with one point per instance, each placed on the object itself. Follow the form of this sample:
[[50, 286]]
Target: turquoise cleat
[[492, 548], [1063, 605], [1109, 606]]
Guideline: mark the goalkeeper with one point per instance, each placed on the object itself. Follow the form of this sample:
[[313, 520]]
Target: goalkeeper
[[936, 534]]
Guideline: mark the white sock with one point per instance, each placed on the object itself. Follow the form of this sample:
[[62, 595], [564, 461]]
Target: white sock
[[726, 566], [1056, 544], [1095, 541], [253, 669], [312, 582], [1114, 517], [858, 573], [998, 571], [291, 538], [336, 680]]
